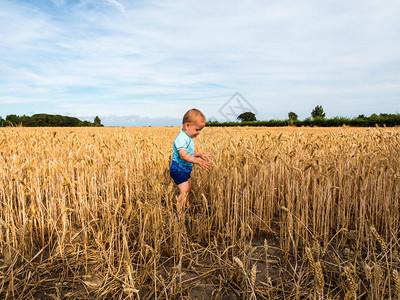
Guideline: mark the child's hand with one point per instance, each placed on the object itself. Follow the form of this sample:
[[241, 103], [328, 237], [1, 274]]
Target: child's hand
[[206, 155], [204, 164]]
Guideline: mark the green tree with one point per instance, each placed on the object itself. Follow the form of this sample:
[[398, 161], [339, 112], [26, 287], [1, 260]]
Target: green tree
[[13, 120], [318, 111], [293, 116], [97, 121], [247, 116], [374, 116]]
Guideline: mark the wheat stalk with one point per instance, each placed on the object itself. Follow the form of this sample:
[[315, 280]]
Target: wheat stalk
[[396, 279], [352, 285], [83, 202], [380, 240]]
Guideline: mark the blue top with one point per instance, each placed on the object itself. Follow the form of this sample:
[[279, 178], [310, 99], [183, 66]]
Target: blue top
[[183, 141]]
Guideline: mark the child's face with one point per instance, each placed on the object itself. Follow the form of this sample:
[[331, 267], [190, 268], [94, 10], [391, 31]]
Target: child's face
[[193, 129]]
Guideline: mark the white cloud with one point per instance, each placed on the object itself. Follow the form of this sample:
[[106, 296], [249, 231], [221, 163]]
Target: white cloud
[[118, 5], [173, 55]]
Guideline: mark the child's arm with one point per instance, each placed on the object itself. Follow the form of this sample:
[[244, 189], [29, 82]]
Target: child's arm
[[194, 160]]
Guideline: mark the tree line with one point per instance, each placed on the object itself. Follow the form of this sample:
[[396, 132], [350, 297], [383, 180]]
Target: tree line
[[46, 120], [317, 119]]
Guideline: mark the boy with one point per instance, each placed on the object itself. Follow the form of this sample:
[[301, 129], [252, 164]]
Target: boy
[[184, 156]]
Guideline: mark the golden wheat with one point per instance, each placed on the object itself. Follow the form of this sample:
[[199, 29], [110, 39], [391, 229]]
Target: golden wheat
[[91, 213]]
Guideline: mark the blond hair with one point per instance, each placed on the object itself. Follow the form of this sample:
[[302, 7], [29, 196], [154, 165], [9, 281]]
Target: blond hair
[[191, 115]]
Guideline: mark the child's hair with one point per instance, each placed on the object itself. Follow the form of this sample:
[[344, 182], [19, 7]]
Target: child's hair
[[191, 115]]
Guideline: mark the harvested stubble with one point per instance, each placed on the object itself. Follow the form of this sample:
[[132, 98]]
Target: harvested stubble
[[89, 213]]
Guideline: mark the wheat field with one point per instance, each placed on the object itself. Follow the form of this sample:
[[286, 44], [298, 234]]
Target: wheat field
[[285, 213]]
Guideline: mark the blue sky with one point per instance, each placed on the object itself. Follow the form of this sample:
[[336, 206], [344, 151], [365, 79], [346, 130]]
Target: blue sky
[[136, 63]]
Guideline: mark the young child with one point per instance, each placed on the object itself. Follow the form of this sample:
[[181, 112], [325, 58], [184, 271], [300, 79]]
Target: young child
[[184, 156]]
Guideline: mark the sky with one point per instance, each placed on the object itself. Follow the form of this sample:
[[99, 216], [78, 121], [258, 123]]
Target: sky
[[145, 63]]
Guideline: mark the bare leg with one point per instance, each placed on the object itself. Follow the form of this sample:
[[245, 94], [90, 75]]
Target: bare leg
[[184, 195]]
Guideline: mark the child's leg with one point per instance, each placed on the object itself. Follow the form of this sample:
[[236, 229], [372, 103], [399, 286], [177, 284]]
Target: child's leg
[[184, 195]]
